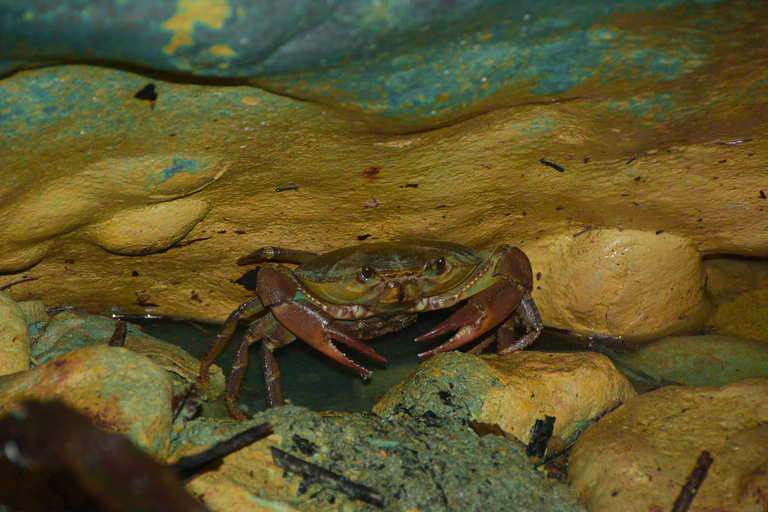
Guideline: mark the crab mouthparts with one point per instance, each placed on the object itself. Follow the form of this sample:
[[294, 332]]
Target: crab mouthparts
[[406, 291]]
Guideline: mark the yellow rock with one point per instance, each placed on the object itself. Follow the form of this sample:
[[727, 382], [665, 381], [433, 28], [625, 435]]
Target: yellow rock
[[479, 182], [638, 457], [513, 391], [14, 337], [635, 284], [121, 391]]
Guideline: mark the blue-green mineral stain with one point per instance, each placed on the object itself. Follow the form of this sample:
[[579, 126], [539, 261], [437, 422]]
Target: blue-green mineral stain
[[180, 165], [396, 62]]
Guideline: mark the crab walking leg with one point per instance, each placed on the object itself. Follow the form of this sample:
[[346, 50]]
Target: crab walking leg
[[273, 382], [529, 315], [276, 253], [239, 365], [245, 310], [483, 312], [272, 333]]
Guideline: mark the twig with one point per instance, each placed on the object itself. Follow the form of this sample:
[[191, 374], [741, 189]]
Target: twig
[[357, 491], [118, 337], [553, 165], [693, 483], [5, 287], [190, 466], [573, 437]]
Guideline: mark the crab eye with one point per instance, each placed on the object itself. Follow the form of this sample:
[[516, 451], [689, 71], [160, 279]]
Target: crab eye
[[437, 265], [366, 273]]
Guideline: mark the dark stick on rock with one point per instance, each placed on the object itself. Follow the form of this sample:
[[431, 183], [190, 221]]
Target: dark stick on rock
[[295, 465], [693, 483], [26, 279], [190, 466], [118, 337]]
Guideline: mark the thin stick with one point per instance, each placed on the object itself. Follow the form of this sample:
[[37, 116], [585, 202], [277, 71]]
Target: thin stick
[[191, 465], [295, 465], [693, 483], [118, 337], [5, 287]]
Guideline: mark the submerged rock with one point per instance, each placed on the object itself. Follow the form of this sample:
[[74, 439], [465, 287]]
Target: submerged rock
[[638, 457], [512, 391], [417, 462], [706, 360], [121, 391]]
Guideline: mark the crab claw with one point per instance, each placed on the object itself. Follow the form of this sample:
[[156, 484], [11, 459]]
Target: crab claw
[[484, 311], [317, 329]]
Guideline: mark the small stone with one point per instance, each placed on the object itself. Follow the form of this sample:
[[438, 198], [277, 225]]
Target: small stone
[[638, 457], [513, 391], [14, 337], [121, 391]]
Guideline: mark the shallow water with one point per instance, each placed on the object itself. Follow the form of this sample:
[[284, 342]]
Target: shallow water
[[311, 379]]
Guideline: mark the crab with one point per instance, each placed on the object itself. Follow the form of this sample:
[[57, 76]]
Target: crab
[[364, 291]]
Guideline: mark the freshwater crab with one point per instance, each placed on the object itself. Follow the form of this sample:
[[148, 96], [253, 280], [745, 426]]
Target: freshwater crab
[[368, 290]]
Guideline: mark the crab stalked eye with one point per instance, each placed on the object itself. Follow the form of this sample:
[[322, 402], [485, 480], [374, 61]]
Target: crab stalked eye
[[366, 273], [438, 265]]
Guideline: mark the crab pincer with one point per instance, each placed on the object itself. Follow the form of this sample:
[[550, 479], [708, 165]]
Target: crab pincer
[[482, 313]]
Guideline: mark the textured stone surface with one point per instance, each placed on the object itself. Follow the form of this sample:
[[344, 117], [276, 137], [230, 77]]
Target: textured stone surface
[[512, 391], [739, 288], [407, 65], [635, 284], [419, 462], [121, 391], [638, 457], [14, 337], [650, 112]]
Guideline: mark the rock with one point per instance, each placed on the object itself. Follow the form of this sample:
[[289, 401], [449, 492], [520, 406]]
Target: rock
[[419, 462], [706, 360], [69, 330], [105, 186], [637, 285], [121, 391], [739, 289], [638, 457], [372, 120], [14, 337], [147, 229], [512, 391]]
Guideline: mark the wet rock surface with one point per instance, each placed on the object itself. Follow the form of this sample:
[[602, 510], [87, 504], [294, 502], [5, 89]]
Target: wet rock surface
[[703, 360], [417, 462], [119, 390], [638, 457], [512, 391], [14, 337]]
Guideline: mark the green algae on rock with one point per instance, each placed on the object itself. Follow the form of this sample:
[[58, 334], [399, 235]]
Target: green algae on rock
[[69, 330], [703, 360], [419, 462]]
